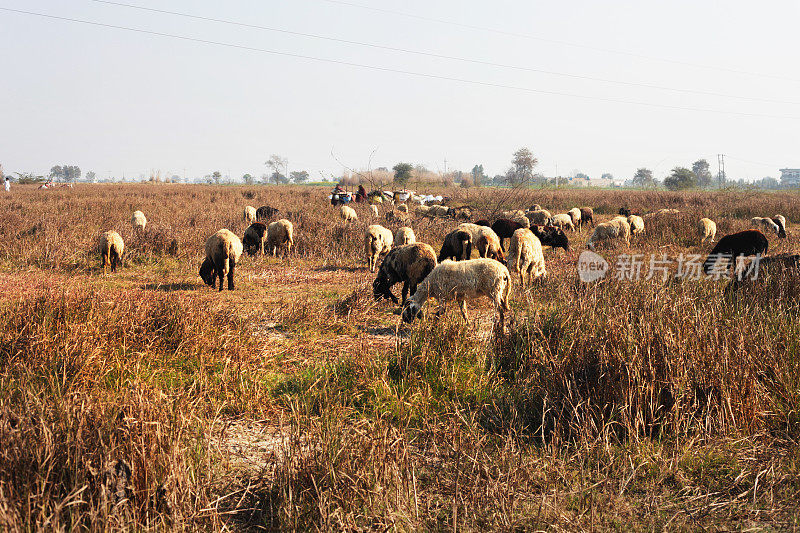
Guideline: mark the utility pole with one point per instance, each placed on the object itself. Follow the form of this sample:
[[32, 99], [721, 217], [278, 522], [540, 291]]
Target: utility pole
[[445, 166], [721, 169]]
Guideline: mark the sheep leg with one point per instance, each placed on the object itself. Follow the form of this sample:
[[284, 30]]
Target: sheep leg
[[463, 306], [113, 261], [405, 291], [231, 268]]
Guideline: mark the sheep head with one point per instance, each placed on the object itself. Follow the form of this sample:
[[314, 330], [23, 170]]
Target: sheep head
[[411, 312], [207, 272]]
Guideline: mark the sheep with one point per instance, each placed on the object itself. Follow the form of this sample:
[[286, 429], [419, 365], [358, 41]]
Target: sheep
[[660, 213], [745, 243], [409, 263], [768, 225], [624, 211], [254, 238], [539, 217], [404, 236], [139, 221], [637, 224], [347, 213], [279, 234], [483, 222], [459, 281], [562, 221], [402, 208], [781, 222], [377, 241], [587, 215], [517, 216], [421, 210], [463, 213], [265, 212], [617, 228], [535, 207], [223, 250], [484, 239], [575, 215], [551, 236], [397, 216], [708, 230], [457, 245], [440, 211], [525, 256], [111, 249], [373, 209], [505, 228], [249, 214]]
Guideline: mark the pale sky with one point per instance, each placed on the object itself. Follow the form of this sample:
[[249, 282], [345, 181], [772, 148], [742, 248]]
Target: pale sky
[[116, 101]]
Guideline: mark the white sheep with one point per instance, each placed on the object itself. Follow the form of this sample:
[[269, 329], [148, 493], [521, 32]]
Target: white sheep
[[525, 256], [280, 234], [562, 220], [636, 223], [708, 230], [377, 241], [404, 236], [624, 228], [617, 228], [111, 249], [139, 221], [484, 239], [517, 216], [347, 213], [438, 211], [461, 281], [374, 210], [540, 217], [575, 215], [249, 214], [223, 250], [767, 224]]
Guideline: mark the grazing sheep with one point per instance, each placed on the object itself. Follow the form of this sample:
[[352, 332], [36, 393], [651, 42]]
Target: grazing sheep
[[463, 213], [347, 213], [540, 217], [768, 225], [708, 230], [575, 215], [249, 214], [505, 228], [397, 216], [404, 236], [525, 256], [402, 208], [421, 210], [462, 280], [457, 245], [624, 211], [587, 215], [745, 243], [660, 213], [517, 216], [373, 209], [440, 211], [254, 238], [551, 236], [223, 250], [562, 221], [781, 222], [409, 263], [280, 234], [138, 221], [111, 249], [265, 212], [377, 241], [617, 228], [637, 224], [484, 239]]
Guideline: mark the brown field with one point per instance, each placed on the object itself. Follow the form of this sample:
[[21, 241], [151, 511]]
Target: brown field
[[145, 400]]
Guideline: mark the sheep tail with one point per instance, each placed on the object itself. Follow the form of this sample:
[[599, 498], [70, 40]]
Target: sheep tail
[[506, 291], [466, 248]]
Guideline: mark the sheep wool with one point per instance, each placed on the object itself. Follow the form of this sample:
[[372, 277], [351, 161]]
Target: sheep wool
[[708, 230], [525, 256], [575, 215], [539, 217], [766, 224], [484, 238], [249, 214], [377, 241], [410, 264], [404, 236], [562, 220], [254, 238], [347, 213], [111, 249], [280, 234], [374, 210], [223, 251], [636, 223], [461, 281], [139, 221]]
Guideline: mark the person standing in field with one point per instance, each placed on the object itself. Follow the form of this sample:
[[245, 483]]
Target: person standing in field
[[7, 184]]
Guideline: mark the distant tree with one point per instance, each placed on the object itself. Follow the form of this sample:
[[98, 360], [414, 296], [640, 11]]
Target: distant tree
[[680, 179], [28, 177], [521, 170], [299, 176], [56, 172], [248, 179], [420, 168], [478, 176], [581, 176], [643, 178], [767, 182], [216, 176], [402, 173], [277, 163], [607, 176], [91, 176], [701, 172], [467, 181]]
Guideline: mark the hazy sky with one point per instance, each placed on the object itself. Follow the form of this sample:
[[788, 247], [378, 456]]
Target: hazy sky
[[116, 101]]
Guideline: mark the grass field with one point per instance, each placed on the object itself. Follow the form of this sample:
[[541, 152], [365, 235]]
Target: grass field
[[145, 400]]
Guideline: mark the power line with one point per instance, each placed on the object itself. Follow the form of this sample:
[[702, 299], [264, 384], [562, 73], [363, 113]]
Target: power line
[[556, 41], [393, 70], [440, 56]]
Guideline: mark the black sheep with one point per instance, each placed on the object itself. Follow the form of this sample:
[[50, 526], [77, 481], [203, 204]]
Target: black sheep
[[551, 236], [624, 211], [265, 212], [483, 222], [781, 228], [505, 228], [254, 236], [457, 245], [587, 215], [745, 243]]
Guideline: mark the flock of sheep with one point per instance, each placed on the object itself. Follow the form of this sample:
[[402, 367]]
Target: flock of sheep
[[452, 275]]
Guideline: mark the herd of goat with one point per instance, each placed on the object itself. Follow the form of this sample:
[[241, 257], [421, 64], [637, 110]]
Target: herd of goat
[[451, 275]]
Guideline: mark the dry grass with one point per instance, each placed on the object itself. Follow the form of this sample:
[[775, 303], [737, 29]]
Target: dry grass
[[144, 400]]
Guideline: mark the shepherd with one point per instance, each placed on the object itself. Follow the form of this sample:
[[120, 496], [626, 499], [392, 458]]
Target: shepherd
[[361, 195]]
